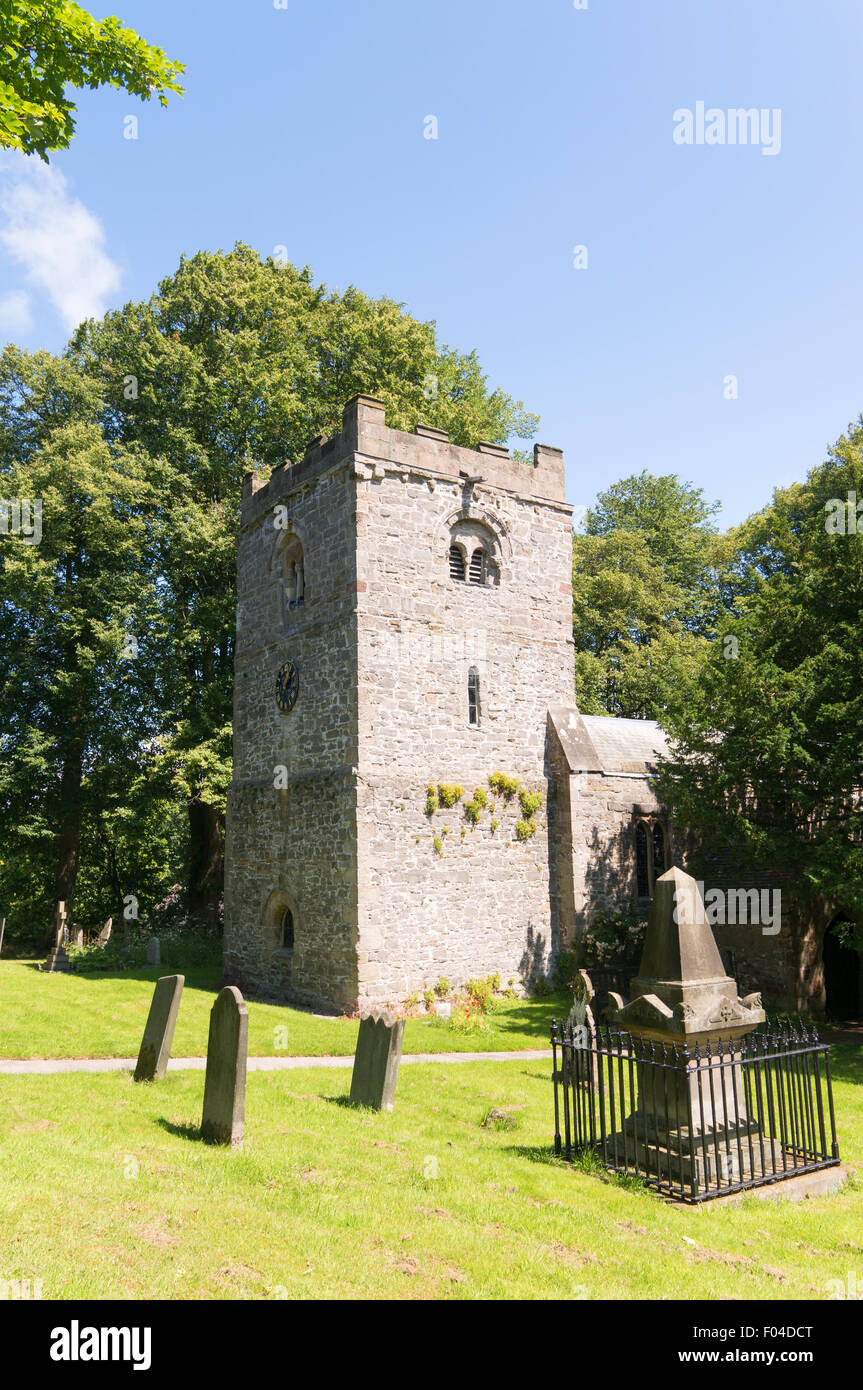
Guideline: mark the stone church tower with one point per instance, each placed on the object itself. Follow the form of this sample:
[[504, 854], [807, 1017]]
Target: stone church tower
[[404, 623]]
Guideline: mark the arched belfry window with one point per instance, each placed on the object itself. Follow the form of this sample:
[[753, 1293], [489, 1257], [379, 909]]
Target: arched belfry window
[[473, 697], [293, 572], [473, 554], [456, 563]]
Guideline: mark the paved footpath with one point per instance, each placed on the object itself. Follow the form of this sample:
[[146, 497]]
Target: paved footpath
[[44, 1066]]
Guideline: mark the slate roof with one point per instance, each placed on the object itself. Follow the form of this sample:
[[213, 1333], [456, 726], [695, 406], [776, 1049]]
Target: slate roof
[[594, 743], [625, 745]]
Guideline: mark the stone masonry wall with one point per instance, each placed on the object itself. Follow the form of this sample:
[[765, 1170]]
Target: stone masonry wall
[[484, 903], [295, 844], [604, 810]]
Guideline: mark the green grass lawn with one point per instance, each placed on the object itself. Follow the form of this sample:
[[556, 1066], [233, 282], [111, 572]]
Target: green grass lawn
[[107, 1193], [104, 1015]]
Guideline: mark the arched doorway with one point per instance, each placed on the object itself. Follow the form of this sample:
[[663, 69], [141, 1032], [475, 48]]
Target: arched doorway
[[841, 975]]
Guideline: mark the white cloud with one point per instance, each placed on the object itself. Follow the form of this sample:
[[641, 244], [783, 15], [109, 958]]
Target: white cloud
[[59, 243], [15, 316]]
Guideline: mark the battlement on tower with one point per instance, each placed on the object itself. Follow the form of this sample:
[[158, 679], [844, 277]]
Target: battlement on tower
[[428, 452]]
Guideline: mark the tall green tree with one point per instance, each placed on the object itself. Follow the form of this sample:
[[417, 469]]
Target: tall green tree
[[652, 578], [48, 46], [767, 735], [236, 362], [76, 689]]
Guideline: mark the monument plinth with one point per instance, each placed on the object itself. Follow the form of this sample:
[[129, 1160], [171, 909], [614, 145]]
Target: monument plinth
[[686, 1021], [682, 992]]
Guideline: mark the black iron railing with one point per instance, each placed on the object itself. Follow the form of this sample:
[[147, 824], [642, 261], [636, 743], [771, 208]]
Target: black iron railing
[[695, 1122]]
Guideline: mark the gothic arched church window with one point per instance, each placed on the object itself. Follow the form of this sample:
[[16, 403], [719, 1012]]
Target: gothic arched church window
[[642, 862]]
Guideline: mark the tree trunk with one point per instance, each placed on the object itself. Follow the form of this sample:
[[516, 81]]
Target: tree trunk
[[68, 838], [206, 861]]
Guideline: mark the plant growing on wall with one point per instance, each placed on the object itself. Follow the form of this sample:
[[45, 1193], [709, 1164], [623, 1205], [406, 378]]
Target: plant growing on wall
[[449, 793], [506, 786], [530, 802]]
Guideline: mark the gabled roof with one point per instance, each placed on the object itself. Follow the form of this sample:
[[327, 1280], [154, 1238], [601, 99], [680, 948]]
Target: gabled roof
[[594, 743]]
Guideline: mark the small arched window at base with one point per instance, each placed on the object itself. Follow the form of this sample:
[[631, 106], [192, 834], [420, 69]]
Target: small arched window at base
[[473, 697], [286, 930]]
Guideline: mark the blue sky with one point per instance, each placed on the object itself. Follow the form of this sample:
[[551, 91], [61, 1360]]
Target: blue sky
[[304, 127]]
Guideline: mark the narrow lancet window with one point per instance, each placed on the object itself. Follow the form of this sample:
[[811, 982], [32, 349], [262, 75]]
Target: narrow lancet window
[[473, 696]]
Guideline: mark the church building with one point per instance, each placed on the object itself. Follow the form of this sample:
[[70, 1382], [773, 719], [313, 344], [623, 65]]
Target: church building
[[415, 794]]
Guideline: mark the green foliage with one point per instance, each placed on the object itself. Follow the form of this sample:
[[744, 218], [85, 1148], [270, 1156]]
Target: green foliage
[[449, 793], [506, 786], [530, 802], [767, 744], [653, 582], [468, 1020], [612, 938], [524, 829], [473, 809], [52, 45], [431, 801], [480, 993], [178, 950], [849, 934], [438, 844], [79, 717], [428, 997], [238, 361], [494, 824], [441, 989], [567, 966]]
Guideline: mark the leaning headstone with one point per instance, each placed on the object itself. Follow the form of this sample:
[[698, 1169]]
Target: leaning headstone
[[105, 934], [159, 1032], [2, 931], [154, 955], [376, 1061], [225, 1084], [79, 937]]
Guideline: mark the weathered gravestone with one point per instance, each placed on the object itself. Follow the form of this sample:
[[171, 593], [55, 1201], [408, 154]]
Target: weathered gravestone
[[58, 962], [376, 1061], [159, 1032], [225, 1084], [154, 954], [105, 934]]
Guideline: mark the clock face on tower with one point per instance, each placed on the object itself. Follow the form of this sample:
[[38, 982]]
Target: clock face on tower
[[287, 687]]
